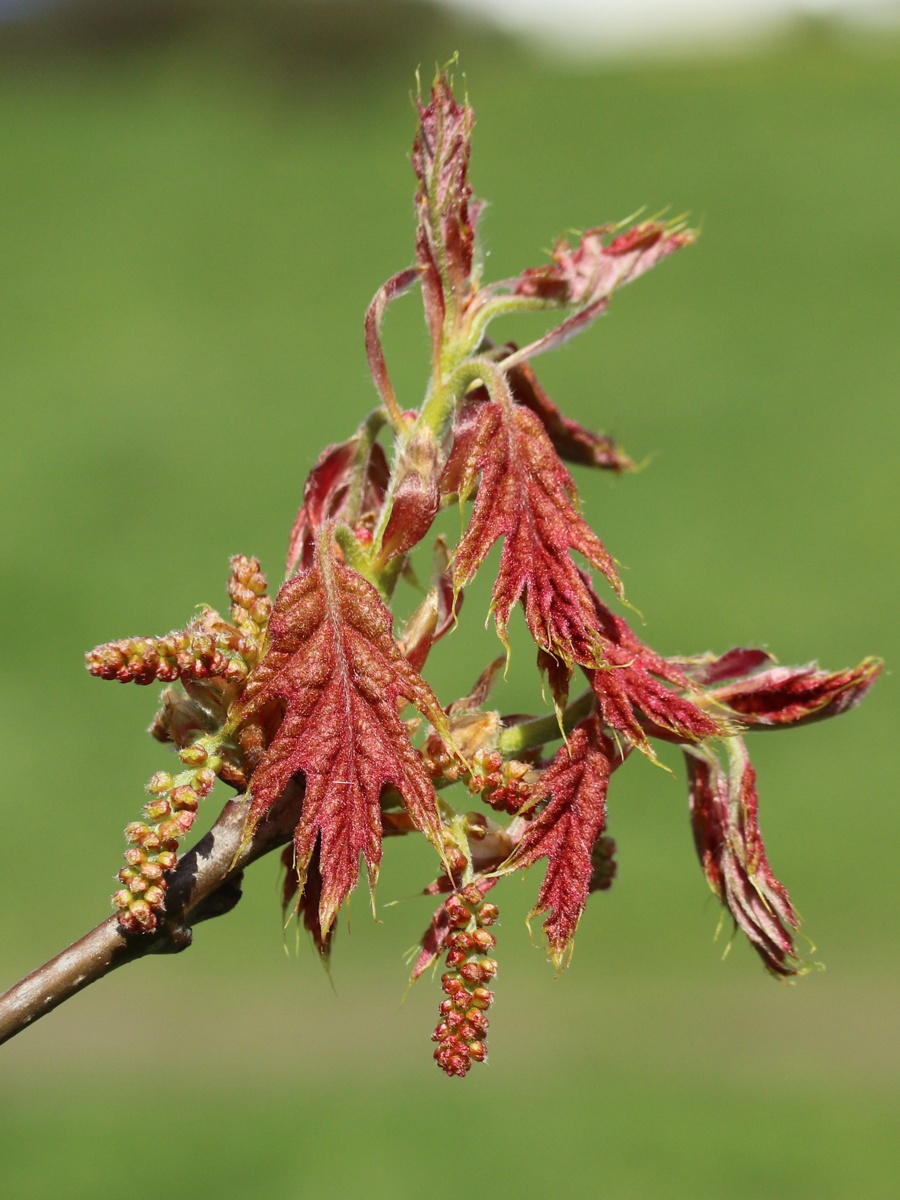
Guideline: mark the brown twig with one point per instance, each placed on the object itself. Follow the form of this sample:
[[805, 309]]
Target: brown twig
[[206, 883]]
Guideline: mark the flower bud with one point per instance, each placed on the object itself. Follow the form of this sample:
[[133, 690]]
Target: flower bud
[[416, 496]]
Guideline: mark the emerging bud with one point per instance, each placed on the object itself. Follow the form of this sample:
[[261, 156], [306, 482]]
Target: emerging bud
[[416, 498]]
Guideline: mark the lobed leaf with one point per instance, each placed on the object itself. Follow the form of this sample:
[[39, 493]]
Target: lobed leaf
[[355, 471], [395, 286], [596, 267], [638, 691], [334, 663], [724, 817], [574, 788], [437, 614], [572, 442], [708, 669], [446, 232], [585, 277], [796, 695], [528, 498]]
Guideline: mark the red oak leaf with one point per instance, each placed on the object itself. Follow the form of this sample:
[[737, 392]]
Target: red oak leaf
[[436, 615], [796, 695], [707, 669], [634, 688], [395, 286], [724, 816], [457, 476], [446, 231], [566, 831], [329, 488], [572, 441], [416, 497], [585, 278], [597, 266], [333, 661], [302, 898], [528, 498]]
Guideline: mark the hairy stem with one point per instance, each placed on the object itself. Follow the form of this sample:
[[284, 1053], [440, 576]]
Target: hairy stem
[[527, 735]]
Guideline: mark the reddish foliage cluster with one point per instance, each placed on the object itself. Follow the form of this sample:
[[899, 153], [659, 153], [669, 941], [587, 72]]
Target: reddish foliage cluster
[[314, 688]]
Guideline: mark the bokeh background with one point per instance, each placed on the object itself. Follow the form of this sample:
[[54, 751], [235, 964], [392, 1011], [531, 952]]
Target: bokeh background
[[199, 199]]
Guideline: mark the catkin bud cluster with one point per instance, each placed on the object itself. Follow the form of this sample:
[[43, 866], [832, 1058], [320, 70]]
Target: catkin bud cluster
[[153, 843], [462, 1030], [504, 784], [192, 653], [250, 606]]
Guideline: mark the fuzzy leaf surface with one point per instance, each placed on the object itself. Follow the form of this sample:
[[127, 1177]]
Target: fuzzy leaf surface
[[796, 695], [637, 689], [528, 498], [395, 286], [446, 234], [598, 265], [585, 277], [574, 787], [572, 441], [725, 821], [349, 474], [335, 666]]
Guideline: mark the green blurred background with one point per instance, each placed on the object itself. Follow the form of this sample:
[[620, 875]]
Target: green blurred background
[[195, 216]]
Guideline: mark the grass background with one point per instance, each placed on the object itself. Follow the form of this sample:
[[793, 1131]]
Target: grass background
[[189, 242]]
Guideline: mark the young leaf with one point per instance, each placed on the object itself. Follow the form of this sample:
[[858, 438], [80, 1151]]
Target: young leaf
[[436, 615], [585, 278], [334, 663], [572, 442], [634, 689], [527, 497], [596, 266], [354, 471], [724, 816], [395, 286], [708, 669], [796, 695], [574, 787], [446, 232], [416, 497], [302, 899]]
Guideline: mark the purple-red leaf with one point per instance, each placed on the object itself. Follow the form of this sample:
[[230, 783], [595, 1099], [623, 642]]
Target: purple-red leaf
[[303, 896], [707, 669], [796, 695], [725, 821], [328, 490], [634, 689], [446, 234], [435, 616], [586, 276], [572, 441], [416, 497], [596, 266], [565, 833], [528, 498], [334, 663]]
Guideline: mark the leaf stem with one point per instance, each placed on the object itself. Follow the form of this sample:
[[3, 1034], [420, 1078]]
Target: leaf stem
[[527, 735]]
